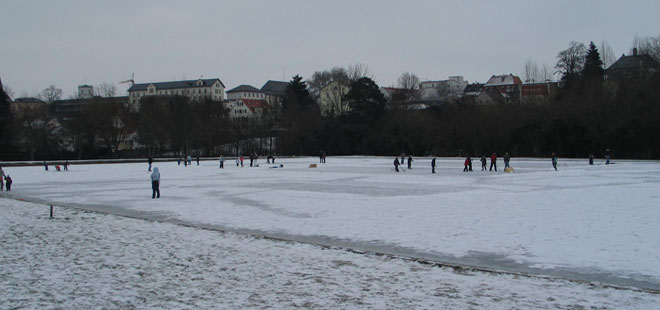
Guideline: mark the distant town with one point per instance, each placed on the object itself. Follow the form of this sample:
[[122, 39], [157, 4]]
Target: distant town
[[342, 111]]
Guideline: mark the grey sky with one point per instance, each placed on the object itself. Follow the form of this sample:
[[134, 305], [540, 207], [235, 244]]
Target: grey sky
[[68, 43]]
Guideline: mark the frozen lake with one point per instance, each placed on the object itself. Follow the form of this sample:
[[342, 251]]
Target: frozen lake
[[582, 222]]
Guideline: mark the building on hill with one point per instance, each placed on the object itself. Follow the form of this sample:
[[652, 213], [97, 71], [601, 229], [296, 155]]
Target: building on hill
[[65, 109], [85, 91], [331, 99], [436, 90], [246, 108], [197, 90], [633, 67], [507, 88], [538, 92], [23, 105], [245, 91], [275, 92]]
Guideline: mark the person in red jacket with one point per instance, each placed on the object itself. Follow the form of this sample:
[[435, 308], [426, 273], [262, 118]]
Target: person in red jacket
[[493, 162]]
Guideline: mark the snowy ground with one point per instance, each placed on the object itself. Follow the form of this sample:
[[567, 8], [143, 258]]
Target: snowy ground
[[582, 222], [85, 260]]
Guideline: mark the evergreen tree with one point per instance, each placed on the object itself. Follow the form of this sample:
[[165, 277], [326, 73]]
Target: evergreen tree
[[365, 99], [593, 64], [5, 115], [297, 95]]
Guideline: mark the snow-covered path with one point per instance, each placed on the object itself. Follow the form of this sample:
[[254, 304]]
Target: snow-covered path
[[83, 260], [583, 222]]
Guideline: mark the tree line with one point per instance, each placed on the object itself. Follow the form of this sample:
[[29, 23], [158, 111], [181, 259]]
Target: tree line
[[587, 115]]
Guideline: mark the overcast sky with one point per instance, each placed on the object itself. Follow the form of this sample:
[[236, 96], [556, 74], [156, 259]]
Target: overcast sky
[[68, 43]]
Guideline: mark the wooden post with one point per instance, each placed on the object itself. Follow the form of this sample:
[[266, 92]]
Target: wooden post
[[51, 211]]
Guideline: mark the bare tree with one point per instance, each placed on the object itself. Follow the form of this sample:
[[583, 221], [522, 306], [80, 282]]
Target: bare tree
[[408, 81], [357, 71], [648, 45], [531, 72], [571, 60], [106, 90], [321, 79], [607, 54], [51, 94]]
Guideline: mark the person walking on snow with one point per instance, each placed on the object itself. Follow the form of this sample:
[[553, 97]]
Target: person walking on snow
[[241, 161], [410, 160], [554, 160], [591, 158], [396, 164], [433, 165], [507, 158], [46, 165], [483, 163], [150, 161], [197, 160], [222, 161], [493, 162], [66, 165], [155, 183], [466, 164]]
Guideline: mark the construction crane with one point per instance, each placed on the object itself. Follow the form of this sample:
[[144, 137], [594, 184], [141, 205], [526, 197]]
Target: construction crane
[[132, 81]]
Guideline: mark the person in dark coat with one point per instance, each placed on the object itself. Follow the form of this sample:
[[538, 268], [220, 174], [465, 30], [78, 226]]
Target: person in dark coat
[[150, 161], [554, 160], [469, 160], [197, 160], [493, 162], [433, 165], [483, 163], [8, 182], [46, 165], [410, 160], [66, 165], [155, 183], [396, 164], [507, 159]]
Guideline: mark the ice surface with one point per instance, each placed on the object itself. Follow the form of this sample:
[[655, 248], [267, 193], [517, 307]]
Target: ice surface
[[586, 222]]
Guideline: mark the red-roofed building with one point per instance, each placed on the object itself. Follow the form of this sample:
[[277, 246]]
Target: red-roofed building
[[248, 108], [508, 87]]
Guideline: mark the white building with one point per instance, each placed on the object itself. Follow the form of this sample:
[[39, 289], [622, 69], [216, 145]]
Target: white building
[[246, 108], [453, 86], [245, 91], [85, 92], [211, 89], [331, 99]]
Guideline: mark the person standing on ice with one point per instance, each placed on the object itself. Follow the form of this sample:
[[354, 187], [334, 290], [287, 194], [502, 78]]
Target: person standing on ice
[[8, 182], [46, 165], [150, 161], [433, 165], [241, 161], [554, 160], [197, 159], [396, 164], [493, 162], [155, 183], [607, 156], [222, 161], [2, 179], [410, 160], [483, 162], [507, 159], [466, 164], [189, 159], [591, 158]]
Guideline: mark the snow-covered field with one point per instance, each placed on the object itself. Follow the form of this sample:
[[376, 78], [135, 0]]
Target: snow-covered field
[[581, 222]]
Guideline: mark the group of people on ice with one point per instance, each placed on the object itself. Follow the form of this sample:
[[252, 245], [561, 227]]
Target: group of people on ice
[[467, 164], [5, 181]]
